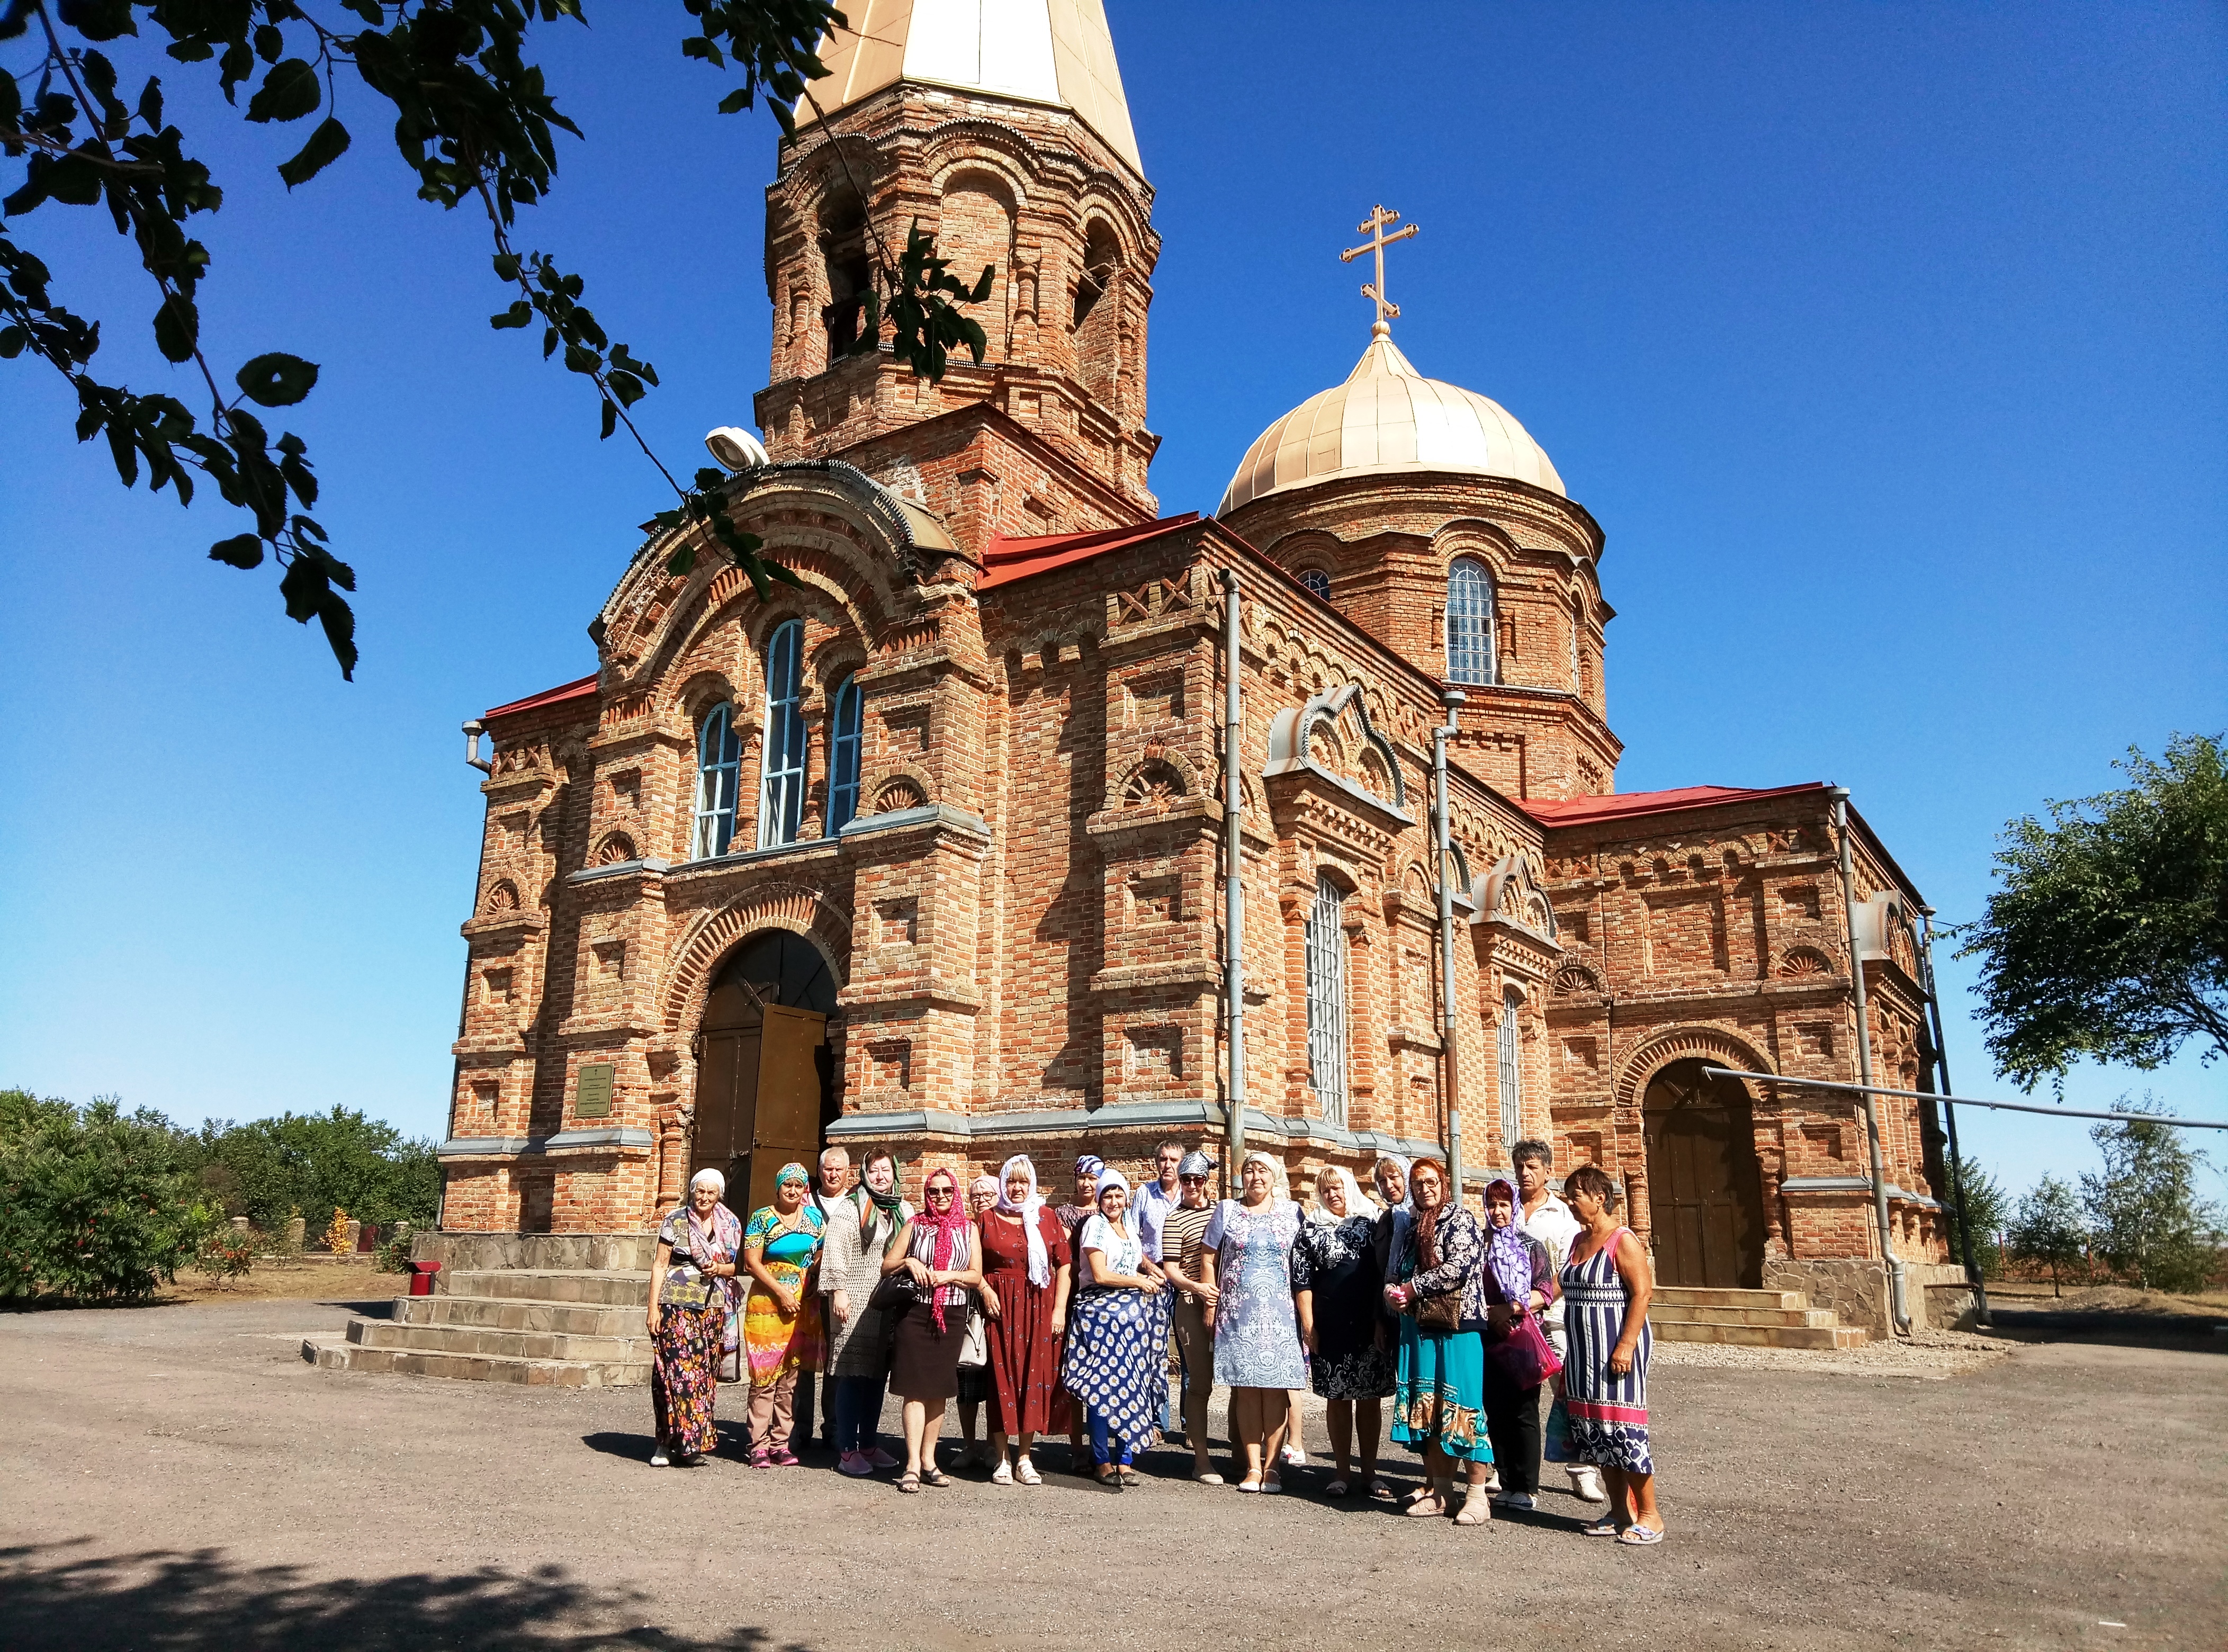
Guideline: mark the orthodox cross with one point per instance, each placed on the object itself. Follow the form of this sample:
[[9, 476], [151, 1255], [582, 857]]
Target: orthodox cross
[[1374, 227]]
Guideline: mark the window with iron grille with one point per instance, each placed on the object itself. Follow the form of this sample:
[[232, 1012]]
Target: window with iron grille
[[1326, 952], [844, 757], [1317, 582], [719, 764], [1511, 1072], [781, 792], [1470, 623]]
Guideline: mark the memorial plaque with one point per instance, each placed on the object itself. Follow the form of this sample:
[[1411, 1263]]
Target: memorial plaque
[[591, 1092]]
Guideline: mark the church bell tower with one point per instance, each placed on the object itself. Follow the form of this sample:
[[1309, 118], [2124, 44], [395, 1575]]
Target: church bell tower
[[1002, 128]]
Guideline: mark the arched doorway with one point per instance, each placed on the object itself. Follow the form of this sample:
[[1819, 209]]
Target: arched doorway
[[1705, 1186], [764, 1082]]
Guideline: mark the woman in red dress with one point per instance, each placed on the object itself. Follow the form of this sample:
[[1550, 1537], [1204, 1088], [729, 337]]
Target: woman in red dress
[[1026, 1274]]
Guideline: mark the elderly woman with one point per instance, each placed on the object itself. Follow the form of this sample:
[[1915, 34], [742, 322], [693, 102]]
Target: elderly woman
[[1438, 1401], [1606, 1286], [691, 1299], [781, 1321], [1338, 1286], [1247, 1255], [859, 1231], [975, 1352], [1025, 1279], [1117, 1359], [941, 1253], [1520, 1284]]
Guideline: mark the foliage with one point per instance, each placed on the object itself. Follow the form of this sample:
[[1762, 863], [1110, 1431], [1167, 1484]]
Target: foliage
[[471, 118], [94, 1204], [2144, 1208], [336, 1233], [268, 1169], [2048, 1231], [392, 1252], [2109, 936], [1988, 1207], [226, 1254]]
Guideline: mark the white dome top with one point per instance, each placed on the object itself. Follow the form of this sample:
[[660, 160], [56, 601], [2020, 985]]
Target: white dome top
[[1388, 417]]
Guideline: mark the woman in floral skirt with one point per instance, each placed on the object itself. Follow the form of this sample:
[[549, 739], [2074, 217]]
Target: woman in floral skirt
[[691, 1304]]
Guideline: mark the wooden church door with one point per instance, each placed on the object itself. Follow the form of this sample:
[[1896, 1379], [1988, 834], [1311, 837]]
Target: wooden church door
[[762, 1071], [1705, 1186]]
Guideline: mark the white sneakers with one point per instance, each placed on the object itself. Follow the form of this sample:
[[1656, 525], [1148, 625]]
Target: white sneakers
[[1586, 1483]]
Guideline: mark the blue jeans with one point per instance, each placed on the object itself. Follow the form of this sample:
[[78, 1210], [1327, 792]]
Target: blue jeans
[[858, 1406], [1102, 1442]]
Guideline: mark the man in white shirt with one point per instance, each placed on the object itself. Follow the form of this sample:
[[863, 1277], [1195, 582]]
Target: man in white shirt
[[832, 1190], [1547, 1218]]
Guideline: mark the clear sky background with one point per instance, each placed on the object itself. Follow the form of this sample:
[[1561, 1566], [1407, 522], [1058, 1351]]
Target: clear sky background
[[1887, 342]]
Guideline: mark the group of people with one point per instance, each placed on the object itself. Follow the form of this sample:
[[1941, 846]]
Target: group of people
[[1058, 1319]]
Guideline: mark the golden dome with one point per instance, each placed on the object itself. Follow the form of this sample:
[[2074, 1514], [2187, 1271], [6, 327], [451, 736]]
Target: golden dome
[[1387, 418]]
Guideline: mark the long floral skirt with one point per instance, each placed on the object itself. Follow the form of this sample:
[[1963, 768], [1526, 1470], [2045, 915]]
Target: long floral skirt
[[684, 1376], [1438, 1394], [1117, 1358]]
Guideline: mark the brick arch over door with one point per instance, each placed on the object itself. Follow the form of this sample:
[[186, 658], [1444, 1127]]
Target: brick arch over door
[[798, 910], [1702, 1187], [1660, 1049]]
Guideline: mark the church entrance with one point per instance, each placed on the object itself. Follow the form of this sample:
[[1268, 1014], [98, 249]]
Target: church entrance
[[1705, 1186], [764, 1080]]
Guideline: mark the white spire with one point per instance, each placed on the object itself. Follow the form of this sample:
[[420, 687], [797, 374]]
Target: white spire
[[1047, 51]]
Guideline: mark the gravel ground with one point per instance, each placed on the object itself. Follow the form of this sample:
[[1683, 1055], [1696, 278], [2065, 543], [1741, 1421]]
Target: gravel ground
[[177, 1478], [1924, 1354]]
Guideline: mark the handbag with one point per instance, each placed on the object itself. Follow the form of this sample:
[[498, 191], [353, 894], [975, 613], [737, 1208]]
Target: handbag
[[1439, 1313], [892, 1293], [1524, 1355]]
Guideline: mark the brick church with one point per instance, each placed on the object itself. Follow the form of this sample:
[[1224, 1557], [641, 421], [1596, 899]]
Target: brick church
[[932, 853]]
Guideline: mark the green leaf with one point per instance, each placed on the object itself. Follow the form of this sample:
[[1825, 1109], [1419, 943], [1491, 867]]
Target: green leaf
[[288, 91], [506, 266], [12, 340], [177, 325], [327, 144], [151, 103], [269, 41], [99, 19], [735, 102], [518, 315], [681, 561], [241, 551], [611, 417], [276, 379]]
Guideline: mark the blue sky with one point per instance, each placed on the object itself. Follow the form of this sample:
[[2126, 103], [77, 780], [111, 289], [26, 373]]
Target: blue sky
[[1886, 343]]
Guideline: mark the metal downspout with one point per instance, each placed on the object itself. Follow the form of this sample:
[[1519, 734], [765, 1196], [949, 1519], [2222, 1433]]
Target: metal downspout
[[1980, 1314], [473, 729], [1233, 892], [1897, 1309], [1452, 699]]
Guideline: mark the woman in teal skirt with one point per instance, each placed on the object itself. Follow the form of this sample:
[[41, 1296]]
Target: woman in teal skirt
[[1439, 1399]]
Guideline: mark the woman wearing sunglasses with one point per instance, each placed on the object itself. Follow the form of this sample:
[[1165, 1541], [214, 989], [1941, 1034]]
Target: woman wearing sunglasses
[[940, 1252]]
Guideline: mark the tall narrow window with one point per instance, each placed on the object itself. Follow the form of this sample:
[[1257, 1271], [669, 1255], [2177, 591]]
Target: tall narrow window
[[844, 757], [1511, 1072], [781, 793], [1470, 623], [719, 765], [1326, 953]]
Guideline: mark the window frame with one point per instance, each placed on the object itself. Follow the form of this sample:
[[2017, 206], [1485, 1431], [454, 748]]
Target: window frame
[[1472, 660], [712, 827], [782, 760], [1323, 936], [1510, 1060], [1308, 578], [845, 744]]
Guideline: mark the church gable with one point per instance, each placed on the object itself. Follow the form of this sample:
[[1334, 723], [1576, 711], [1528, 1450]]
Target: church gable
[[1333, 739]]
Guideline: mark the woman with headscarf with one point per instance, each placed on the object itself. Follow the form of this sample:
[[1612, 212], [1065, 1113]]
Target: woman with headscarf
[[1520, 1284], [1027, 1276], [858, 1351], [781, 1321], [1247, 1255], [1340, 1293], [1438, 1401], [941, 1252], [1066, 1409], [692, 1293], [1116, 1361]]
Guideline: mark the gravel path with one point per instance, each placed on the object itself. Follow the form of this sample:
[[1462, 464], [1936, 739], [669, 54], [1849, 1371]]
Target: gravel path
[[1924, 1354], [177, 1478]]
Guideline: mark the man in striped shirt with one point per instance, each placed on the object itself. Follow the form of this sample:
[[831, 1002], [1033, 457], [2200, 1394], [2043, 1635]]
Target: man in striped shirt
[[1184, 1225]]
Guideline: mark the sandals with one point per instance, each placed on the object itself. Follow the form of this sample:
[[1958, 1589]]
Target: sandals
[[932, 1476], [908, 1481], [1427, 1506], [1026, 1472], [1382, 1492], [1641, 1537], [1337, 1489], [1605, 1527]]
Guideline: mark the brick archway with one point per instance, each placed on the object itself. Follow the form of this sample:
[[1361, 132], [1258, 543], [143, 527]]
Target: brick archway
[[798, 910]]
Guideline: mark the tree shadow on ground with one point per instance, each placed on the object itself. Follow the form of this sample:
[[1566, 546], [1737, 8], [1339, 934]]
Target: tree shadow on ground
[[62, 1599], [2119, 1326]]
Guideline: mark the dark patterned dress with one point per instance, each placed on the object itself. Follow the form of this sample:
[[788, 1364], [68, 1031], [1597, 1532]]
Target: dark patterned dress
[[1024, 1352], [684, 1374], [1608, 1413], [1338, 1262]]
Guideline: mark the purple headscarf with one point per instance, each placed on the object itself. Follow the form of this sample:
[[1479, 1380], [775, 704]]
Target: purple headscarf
[[1508, 1251]]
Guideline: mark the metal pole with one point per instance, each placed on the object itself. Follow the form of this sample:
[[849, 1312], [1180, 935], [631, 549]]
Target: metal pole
[[1452, 699], [1233, 893], [1949, 1118], [1894, 1265], [1968, 1101]]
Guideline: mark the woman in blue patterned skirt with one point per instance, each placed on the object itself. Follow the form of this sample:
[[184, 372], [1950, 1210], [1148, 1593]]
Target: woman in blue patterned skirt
[[1606, 1287], [1117, 1337]]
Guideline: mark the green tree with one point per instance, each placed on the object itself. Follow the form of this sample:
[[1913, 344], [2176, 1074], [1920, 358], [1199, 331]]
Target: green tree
[[476, 122], [2143, 1207], [1986, 1207], [95, 1203], [2109, 936], [2048, 1229], [267, 1167]]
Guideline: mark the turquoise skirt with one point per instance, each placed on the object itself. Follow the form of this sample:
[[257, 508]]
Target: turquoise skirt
[[1438, 1397]]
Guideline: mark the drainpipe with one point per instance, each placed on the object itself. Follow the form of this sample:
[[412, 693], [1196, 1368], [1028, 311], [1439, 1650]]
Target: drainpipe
[[1980, 1314], [473, 730], [1233, 892], [1897, 1309], [1452, 699]]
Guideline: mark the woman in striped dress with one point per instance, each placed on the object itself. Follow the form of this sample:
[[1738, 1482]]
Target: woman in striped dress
[[1606, 1287]]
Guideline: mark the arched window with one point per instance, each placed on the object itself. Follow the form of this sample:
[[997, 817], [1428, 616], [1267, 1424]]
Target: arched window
[[1512, 1071], [844, 757], [1326, 956], [719, 765], [1470, 623], [781, 793], [1317, 582]]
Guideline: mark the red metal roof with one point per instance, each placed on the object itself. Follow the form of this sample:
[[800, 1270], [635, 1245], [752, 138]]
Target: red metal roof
[[1618, 805], [582, 689], [1008, 559]]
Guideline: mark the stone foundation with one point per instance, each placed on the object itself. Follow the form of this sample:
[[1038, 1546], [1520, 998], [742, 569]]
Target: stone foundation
[[1856, 1288], [552, 1253]]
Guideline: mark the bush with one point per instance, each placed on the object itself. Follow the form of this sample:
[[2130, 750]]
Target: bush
[[94, 1204], [310, 1164], [226, 1254], [392, 1254]]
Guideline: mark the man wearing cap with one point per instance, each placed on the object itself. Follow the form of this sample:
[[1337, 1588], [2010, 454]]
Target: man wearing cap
[[1183, 1227], [1155, 1198]]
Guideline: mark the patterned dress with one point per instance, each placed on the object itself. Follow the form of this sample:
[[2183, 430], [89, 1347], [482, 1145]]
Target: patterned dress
[[684, 1375], [1117, 1359], [1338, 1262], [852, 1263], [1608, 1413], [1438, 1395], [1024, 1353], [1257, 1328], [778, 1343]]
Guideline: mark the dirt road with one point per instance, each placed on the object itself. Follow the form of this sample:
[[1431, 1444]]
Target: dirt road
[[177, 1478]]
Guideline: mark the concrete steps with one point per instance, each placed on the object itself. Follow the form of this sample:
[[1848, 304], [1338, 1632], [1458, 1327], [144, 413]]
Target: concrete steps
[[1782, 1319], [332, 1351]]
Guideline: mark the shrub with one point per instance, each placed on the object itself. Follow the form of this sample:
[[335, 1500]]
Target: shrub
[[337, 1231], [94, 1204], [226, 1254], [393, 1255]]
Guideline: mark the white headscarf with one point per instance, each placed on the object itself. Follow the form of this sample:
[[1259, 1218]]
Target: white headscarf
[[719, 1182], [1026, 1212], [1277, 1184], [1357, 1202]]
